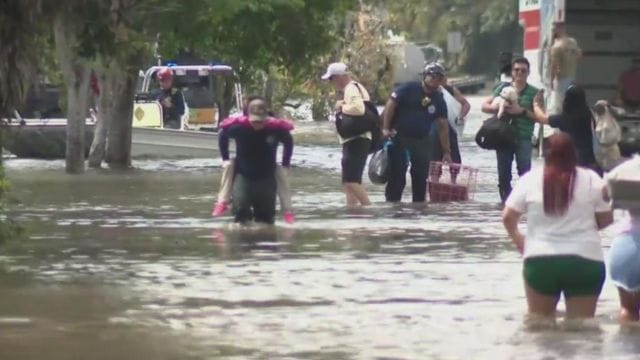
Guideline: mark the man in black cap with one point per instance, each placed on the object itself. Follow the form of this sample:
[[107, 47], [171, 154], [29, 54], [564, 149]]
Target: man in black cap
[[412, 109]]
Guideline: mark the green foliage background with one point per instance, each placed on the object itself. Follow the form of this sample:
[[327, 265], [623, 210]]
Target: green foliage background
[[280, 47]]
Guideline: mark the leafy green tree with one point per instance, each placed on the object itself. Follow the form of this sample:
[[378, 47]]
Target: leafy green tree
[[431, 20], [276, 46]]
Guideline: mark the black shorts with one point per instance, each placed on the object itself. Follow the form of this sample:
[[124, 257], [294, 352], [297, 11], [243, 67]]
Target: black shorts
[[354, 158]]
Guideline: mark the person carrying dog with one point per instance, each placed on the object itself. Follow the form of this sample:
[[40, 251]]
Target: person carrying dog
[[522, 118]]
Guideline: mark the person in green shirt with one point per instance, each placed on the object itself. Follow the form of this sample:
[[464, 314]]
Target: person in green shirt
[[522, 119]]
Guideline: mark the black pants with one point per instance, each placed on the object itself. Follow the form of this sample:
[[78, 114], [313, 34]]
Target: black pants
[[354, 159], [254, 199], [404, 150]]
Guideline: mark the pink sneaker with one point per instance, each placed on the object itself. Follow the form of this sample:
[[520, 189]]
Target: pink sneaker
[[219, 209], [288, 217]]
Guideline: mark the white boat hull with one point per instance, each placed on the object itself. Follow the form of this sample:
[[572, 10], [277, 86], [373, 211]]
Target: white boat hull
[[168, 143], [45, 139]]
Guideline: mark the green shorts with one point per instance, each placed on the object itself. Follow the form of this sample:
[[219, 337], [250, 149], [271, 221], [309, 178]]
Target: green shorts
[[567, 274]]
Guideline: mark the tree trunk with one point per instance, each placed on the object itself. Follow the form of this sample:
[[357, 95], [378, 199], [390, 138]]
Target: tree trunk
[[76, 74], [98, 146], [1, 147], [269, 87], [120, 114]]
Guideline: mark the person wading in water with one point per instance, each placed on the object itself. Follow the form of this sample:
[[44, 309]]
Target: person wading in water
[[254, 184]]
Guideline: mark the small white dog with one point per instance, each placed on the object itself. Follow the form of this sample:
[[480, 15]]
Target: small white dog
[[508, 96], [607, 135]]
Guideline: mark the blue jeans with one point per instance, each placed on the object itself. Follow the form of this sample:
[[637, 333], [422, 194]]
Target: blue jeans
[[624, 266], [522, 153]]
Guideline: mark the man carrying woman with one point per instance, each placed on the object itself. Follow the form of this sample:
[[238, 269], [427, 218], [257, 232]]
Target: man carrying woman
[[281, 172], [254, 183]]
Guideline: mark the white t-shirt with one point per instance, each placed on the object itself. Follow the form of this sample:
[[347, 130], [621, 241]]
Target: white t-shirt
[[575, 232]]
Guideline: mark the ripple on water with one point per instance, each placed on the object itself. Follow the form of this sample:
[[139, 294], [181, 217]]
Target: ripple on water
[[135, 261]]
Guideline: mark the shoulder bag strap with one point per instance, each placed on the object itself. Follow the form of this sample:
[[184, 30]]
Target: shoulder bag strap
[[359, 90]]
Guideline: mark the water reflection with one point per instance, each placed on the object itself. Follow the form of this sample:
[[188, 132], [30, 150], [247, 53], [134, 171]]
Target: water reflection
[[131, 266]]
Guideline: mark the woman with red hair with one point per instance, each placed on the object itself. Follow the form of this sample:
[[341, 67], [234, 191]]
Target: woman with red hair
[[566, 205]]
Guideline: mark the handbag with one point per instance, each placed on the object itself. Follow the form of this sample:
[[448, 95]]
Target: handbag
[[496, 134], [349, 126], [379, 165]]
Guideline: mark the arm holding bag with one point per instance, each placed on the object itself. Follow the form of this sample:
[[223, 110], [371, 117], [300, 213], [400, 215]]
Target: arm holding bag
[[349, 126], [379, 165]]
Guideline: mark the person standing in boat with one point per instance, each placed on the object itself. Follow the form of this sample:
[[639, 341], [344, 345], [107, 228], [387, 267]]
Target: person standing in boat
[[254, 184], [170, 98]]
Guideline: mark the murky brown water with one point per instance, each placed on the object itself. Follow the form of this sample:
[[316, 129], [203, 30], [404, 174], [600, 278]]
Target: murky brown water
[[131, 266]]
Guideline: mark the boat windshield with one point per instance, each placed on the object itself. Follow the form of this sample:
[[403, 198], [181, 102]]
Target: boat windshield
[[198, 90]]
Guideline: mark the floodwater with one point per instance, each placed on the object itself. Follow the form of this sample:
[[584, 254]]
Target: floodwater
[[131, 266]]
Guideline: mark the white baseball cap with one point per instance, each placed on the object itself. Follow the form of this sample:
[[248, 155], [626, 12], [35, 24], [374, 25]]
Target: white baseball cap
[[336, 68]]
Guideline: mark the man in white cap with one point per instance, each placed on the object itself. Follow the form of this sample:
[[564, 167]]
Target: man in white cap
[[355, 150]]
